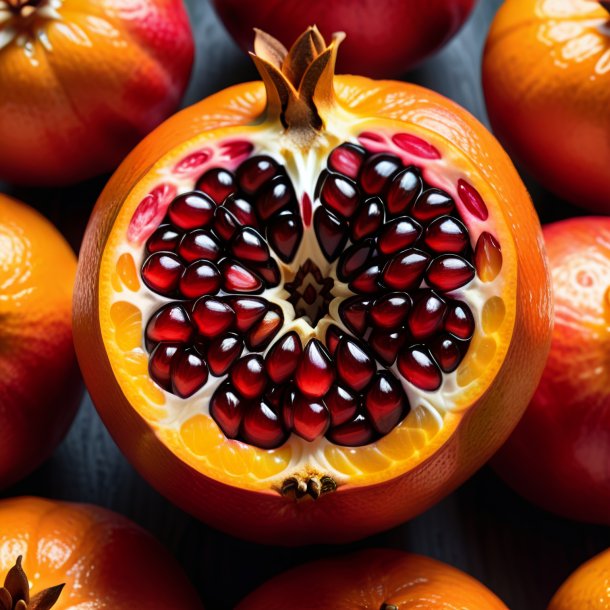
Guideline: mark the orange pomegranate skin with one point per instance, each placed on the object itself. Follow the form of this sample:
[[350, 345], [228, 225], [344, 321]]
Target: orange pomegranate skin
[[546, 78], [106, 561], [107, 74], [351, 512]]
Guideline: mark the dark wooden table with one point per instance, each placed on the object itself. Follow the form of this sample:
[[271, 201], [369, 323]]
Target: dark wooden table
[[520, 552]]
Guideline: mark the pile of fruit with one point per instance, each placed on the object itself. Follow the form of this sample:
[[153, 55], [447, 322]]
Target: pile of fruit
[[308, 307]]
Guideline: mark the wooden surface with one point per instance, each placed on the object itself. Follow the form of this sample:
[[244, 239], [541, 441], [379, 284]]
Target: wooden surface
[[521, 553]]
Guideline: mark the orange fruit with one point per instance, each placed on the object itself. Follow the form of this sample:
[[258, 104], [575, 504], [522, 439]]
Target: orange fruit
[[372, 580], [102, 559], [39, 382], [384, 362]]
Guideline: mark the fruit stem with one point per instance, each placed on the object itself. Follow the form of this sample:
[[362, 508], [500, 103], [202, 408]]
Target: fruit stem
[[299, 82], [23, 8], [385, 606]]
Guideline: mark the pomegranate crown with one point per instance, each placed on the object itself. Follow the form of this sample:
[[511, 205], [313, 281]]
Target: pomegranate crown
[[15, 593], [299, 82]]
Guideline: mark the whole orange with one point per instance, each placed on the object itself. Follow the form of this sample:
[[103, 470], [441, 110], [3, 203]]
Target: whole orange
[[39, 382], [546, 77]]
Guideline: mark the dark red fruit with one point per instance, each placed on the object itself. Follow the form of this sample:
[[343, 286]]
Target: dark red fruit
[[165, 238], [188, 373], [385, 402], [426, 316], [262, 427], [354, 313], [248, 245], [354, 366], [236, 278], [248, 376], [386, 344], [404, 189], [255, 172], [367, 281], [447, 353], [274, 197], [222, 353], [227, 409], [284, 233], [340, 194], [193, 210], [368, 219], [347, 159], [399, 234], [261, 335], [354, 433], [282, 359], [218, 183], [449, 272], [199, 244], [354, 259], [212, 316], [342, 405], [162, 271], [310, 418], [268, 271], [377, 171], [390, 311], [200, 278], [242, 210], [431, 204], [446, 234], [248, 311], [159, 365], [333, 336], [315, 373], [459, 321], [406, 270], [417, 366], [331, 233], [171, 323], [225, 223]]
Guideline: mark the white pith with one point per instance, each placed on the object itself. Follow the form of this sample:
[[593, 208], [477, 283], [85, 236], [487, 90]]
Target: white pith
[[304, 171]]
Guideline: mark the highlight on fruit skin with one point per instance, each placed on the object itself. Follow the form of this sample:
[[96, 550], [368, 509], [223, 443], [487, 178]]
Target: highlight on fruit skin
[[68, 556], [587, 587], [40, 385], [546, 79], [83, 81], [312, 288], [373, 579]]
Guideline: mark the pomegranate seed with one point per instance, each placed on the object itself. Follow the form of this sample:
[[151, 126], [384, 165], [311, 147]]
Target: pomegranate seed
[[227, 409], [242, 210], [368, 219], [376, 171], [170, 323], [284, 233], [331, 233], [236, 149], [354, 259], [460, 321], [347, 160], [217, 183], [222, 353], [354, 433], [417, 366], [306, 209], [274, 397], [256, 171], [314, 374], [431, 204], [342, 405], [416, 146], [399, 234], [287, 409], [199, 244], [310, 419], [248, 311], [487, 257], [162, 271], [472, 200], [426, 315], [390, 311], [269, 272], [274, 197], [165, 238], [283, 357], [236, 278], [449, 272], [212, 316], [189, 373], [340, 194], [446, 352], [354, 313], [191, 210], [386, 344], [249, 245], [333, 336], [248, 376], [225, 223], [404, 189], [354, 365], [159, 365], [200, 278], [385, 402], [262, 427], [367, 281], [446, 234], [406, 270], [264, 332]]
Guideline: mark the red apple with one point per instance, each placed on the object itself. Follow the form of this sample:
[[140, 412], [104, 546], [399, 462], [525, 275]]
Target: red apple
[[559, 455], [384, 37]]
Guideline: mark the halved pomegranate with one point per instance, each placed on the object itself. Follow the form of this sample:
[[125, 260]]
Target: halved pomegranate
[[317, 288]]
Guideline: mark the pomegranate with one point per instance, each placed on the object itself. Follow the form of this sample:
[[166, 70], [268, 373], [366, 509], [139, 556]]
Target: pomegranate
[[305, 302]]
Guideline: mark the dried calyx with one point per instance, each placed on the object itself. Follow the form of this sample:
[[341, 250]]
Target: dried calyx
[[605, 4], [15, 594], [23, 8]]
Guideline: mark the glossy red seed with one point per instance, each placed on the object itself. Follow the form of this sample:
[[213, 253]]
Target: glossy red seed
[[354, 259], [342, 405], [284, 233], [449, 272], [287, 408], [225, 223], [384, 402], [242, 210], [347, 159], [249, 245], [406, 270], [268, 271], [459, 321], [236, 278], [367, 219], [447, 353], [314, 374], [354, 433], [261, 335], [200, 278], [192, 210], [354, 366], [432, 204], [274, 197], [354, 313], [253, 173], [218, 183], [472, 200], [310, 418], [274, 396], [331, 233], [159, 365], [377, 171], [390, 310], [426, 315], [188, 373], [227, 409], [248, 376], [367, 281], [170, 323], [404, 189], [283, 357], [212, 316], [386, 344], [165, 238], [446, 234], [199, 244], [162, 271], [340, 195], [262, 427], [333, 336], [222, 353], [416, 146], [248, 311], [399, 234], [417, 366]]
